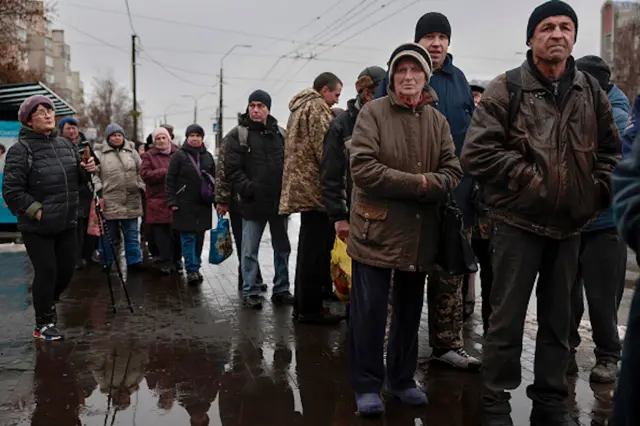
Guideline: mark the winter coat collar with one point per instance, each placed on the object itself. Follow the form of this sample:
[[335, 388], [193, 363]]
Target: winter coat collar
[[126, 146], [272, 123], [156, 151], [429, 96], [28, 133]]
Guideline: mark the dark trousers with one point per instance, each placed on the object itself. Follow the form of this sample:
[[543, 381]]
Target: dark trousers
[[313, 263], [518, 257], [54, 260], [168, 243], [601, 272], [367, 323], [482, 250], [236, 230], [626, 410], [86, 244]]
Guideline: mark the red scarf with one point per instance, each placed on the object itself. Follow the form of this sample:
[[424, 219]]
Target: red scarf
[[410, 104]]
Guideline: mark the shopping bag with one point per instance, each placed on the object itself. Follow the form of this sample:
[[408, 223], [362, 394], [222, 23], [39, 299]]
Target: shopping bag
[[221, 244], [93, 227], [341, 269]]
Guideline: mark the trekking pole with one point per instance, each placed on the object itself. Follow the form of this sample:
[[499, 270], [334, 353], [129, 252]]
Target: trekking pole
[[86, 152]]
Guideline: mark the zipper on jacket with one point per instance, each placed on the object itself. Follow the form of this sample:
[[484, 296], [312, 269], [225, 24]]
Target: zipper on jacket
[[66, 182]]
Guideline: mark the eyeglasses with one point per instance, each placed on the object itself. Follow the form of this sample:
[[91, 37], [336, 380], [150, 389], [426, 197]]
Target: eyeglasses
[[43, 113]]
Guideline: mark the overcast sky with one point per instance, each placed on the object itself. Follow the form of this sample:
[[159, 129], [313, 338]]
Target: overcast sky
[[189, 37]]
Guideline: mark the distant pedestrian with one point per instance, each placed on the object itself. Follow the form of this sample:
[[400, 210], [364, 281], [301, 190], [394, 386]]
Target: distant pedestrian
[[477, 90], [42, 176], [119, 183], [158, 215], [603, 259], [254, 160], [308, 123], [631, 129], [543, 181], [394, 219], [192, 215], [335, 173]]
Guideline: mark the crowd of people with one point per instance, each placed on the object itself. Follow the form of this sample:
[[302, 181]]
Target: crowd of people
[[528, 160]]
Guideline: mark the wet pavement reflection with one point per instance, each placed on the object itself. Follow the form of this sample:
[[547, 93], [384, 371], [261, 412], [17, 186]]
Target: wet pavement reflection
[[192, 355]]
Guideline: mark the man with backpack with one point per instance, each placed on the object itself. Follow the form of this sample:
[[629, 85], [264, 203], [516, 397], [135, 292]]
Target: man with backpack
[[542, 143], [254, 161]]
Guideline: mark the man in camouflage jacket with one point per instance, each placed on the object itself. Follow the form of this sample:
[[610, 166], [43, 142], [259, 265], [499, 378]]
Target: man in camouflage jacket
[[301, 193]]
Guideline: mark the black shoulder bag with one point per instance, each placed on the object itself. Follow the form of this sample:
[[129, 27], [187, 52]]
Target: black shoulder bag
[[455, 255]]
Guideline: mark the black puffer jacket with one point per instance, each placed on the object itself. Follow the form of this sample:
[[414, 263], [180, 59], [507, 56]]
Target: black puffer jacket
[[255, 171], [335, 176], [47, 178], [183, 189]]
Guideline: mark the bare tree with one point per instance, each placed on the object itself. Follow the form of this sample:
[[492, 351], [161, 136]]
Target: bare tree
[[16, 17], [110, 103], [626, 58]]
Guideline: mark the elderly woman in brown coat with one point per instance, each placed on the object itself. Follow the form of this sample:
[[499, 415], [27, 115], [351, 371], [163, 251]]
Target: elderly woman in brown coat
[[402, 159]]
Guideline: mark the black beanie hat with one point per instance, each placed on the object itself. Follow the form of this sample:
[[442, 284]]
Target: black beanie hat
[[598, 68], [432, 22], [194, 129], [547, 9], [261, 96]]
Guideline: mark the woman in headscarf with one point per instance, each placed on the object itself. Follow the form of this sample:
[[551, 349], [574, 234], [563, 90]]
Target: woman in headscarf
[[191, 212], [42, 176], [118, 180], [155, 165], [402, 160]]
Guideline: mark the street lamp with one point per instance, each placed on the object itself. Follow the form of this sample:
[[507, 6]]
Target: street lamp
[[220, 113], [195, 105]]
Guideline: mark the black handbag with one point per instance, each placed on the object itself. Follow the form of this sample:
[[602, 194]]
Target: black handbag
[[455, 255]]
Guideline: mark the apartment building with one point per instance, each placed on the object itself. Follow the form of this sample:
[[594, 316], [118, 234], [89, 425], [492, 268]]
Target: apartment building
[[50, 56], [620, 40]]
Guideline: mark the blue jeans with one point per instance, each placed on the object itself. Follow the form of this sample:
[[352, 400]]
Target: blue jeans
[[252, 231], [626, 410], [129, 228], [192, 250]]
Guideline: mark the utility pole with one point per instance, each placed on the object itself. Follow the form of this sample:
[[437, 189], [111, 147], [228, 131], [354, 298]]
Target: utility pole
[[195, 111], [134, 112], [219, 142]]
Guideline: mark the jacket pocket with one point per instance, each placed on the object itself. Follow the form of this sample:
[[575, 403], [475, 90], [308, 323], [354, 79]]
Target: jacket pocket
[[370, 218]]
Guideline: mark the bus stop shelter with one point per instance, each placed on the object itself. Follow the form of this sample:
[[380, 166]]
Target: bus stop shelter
[[11, 97]]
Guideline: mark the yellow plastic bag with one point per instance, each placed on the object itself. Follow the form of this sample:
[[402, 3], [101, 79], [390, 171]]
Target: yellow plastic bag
[[341, 269]]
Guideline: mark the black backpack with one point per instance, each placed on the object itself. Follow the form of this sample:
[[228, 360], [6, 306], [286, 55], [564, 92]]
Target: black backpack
[[514, 86]]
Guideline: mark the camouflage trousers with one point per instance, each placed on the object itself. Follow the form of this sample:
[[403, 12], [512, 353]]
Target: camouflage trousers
[[444, 298], [445, 305]]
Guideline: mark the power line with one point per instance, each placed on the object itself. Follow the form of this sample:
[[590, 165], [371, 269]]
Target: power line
[[290, 80], [346, 17], [314, 20], [344, 40], [149, 58], [208, 27], [133, 30], [363, 19]]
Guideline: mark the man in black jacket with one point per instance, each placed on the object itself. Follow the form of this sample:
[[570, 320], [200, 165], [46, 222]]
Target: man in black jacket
[[254, 161], [86, 243], [40, 186], [335, 176]]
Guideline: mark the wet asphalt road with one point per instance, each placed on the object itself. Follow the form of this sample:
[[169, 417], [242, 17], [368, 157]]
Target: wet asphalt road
[[192, 355]]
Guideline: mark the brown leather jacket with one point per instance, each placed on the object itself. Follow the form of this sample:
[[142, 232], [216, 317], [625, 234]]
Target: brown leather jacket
[[394, 220], [549, 171]]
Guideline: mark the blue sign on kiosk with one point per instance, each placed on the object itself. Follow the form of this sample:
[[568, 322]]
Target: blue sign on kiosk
[[8, 136]]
